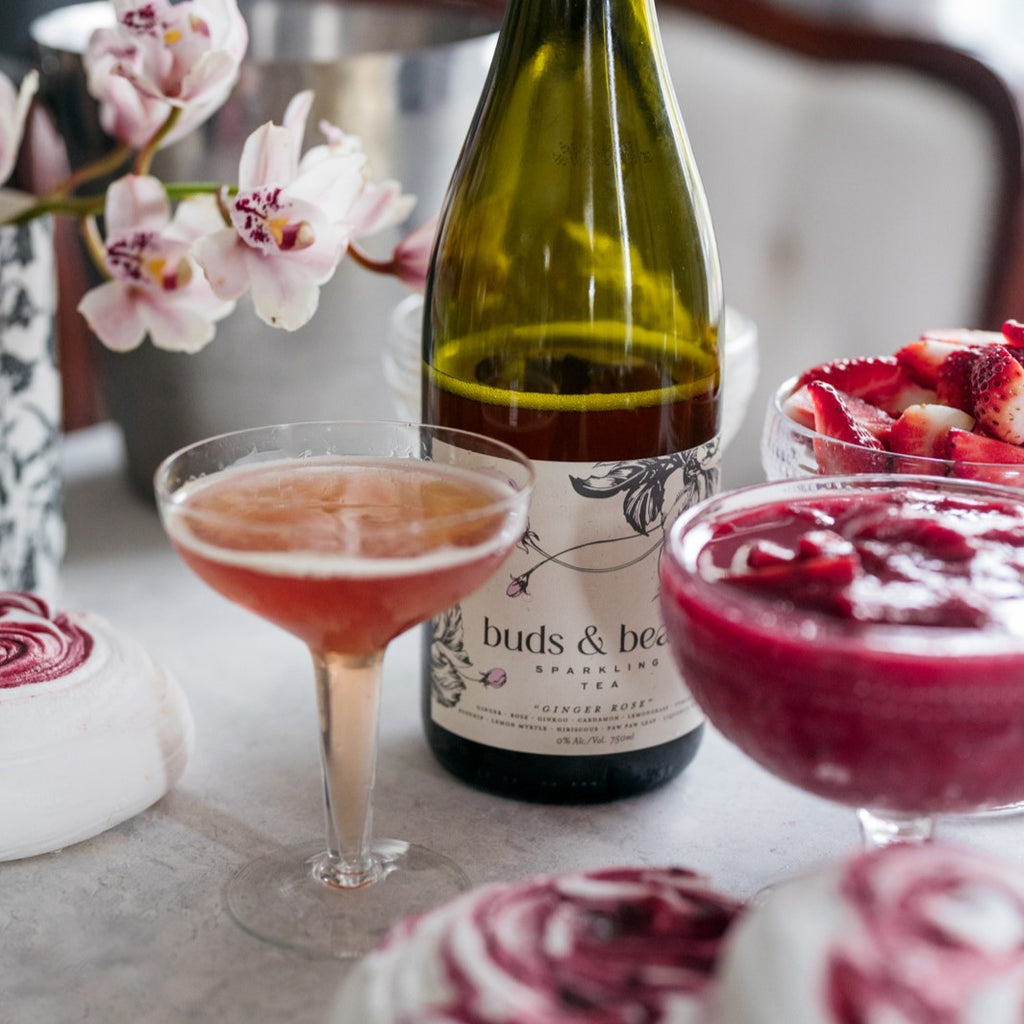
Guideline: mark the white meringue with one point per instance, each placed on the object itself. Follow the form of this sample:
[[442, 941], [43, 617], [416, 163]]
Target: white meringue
[[92, 731], [613, 946], [906, 933]]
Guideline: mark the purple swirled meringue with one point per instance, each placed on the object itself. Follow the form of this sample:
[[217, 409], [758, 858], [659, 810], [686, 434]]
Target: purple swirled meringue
[[92, 731], [603, 947], [37, 646], [920, 934]]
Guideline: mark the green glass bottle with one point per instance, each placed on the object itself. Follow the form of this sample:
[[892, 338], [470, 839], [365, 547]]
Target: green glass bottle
[[573, 310]]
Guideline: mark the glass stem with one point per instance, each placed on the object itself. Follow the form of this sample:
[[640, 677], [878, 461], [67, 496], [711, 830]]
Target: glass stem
[[348, 699], [885, 829]]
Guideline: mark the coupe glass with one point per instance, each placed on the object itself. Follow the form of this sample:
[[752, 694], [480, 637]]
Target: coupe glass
[[790, 450], [902, 721], [344, 534]]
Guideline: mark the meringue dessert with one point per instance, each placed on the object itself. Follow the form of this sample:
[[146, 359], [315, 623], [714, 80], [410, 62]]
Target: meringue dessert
[[909, 932], [92, 731], [619, 945]]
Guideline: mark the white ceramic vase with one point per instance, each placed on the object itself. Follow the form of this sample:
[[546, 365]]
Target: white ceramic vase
[[31, 513]]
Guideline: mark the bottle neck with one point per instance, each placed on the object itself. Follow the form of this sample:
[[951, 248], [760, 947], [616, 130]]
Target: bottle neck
[[575, 13], [593, 41], [606, 24]]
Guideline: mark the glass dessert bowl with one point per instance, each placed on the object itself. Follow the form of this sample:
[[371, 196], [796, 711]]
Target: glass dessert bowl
[[860, 637], [791, 448], [949, 403]]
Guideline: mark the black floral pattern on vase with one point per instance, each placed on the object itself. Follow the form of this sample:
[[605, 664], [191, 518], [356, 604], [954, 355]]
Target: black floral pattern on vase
[[31, 513]]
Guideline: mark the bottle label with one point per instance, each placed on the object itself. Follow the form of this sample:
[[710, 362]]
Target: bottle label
[[563, 651]]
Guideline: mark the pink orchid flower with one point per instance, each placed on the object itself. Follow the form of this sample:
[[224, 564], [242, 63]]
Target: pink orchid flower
[[410, 261], [292, 219], [156, 286], [161, 56], [380, 204], [14, 107]]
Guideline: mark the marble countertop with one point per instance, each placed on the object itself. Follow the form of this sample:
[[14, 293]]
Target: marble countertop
[[131, 926]]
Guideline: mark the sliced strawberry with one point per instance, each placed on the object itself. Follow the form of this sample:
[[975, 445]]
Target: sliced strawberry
[[964, 336], [977, 457], [1013, 332], [997, 382], [879, 380], [819, 554], [923, 430], [836, 417], [875, 421], [943, 542], [920, 530], [833, 570], [954, 384], [923, 359], [798, 407], [761, 554], [862, 372], [846, 417], [814, 575], [826, 544]]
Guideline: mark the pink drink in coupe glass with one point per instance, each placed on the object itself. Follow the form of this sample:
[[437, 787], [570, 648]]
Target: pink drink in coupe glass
[[345, 553], [345, 534], [860, 637]]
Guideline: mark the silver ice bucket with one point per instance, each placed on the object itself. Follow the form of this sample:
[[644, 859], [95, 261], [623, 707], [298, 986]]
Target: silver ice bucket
[[405, 77]]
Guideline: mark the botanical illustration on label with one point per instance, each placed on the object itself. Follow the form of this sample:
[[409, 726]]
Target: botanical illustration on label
[[563, 651]]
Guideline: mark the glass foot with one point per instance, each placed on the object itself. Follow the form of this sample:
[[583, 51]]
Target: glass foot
[[279, 897], [885, 829]]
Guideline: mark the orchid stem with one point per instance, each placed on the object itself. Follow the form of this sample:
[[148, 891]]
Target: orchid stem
[[89, 206], [94, 243], [184, 189], [84, 206], [146, 154], [90, 172], [369, 263]]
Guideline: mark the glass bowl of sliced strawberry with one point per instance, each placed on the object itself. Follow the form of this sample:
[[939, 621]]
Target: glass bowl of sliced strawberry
[[950, 403]]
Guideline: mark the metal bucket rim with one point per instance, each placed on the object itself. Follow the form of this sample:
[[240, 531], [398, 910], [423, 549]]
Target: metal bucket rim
[[66, 30]]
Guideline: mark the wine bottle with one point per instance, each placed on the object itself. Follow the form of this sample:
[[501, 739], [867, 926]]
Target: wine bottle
[[572, 309]]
